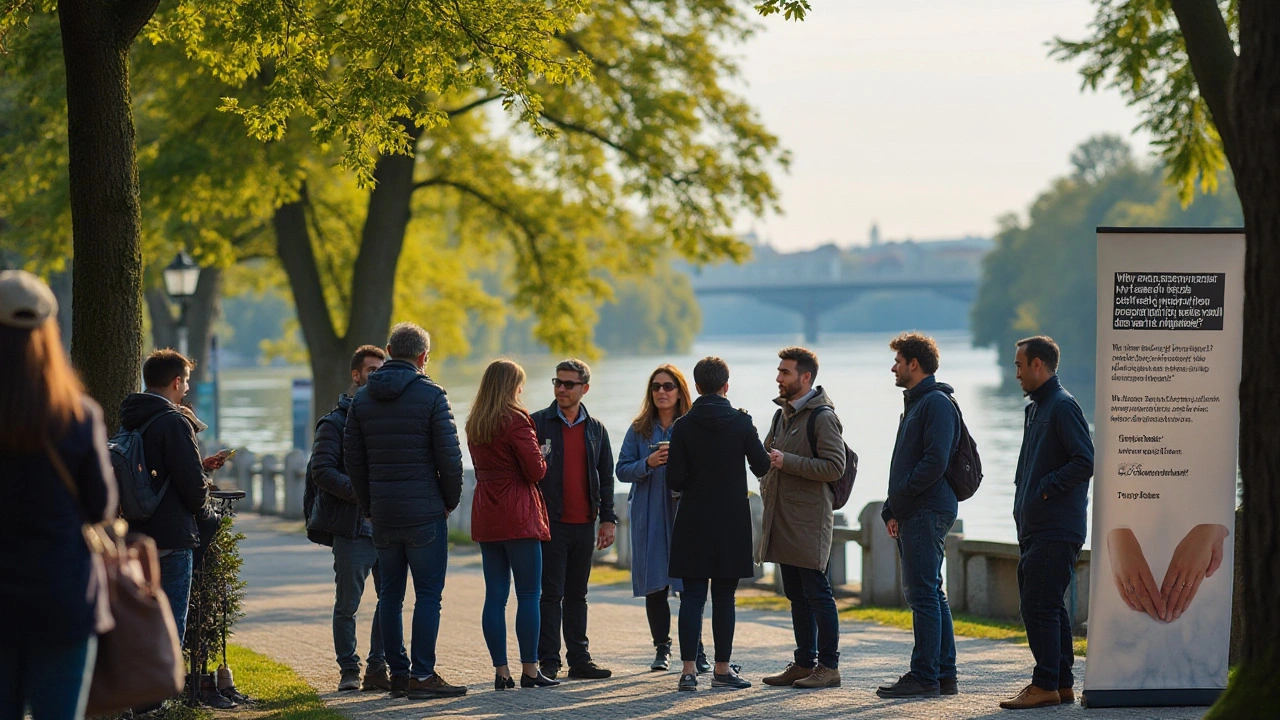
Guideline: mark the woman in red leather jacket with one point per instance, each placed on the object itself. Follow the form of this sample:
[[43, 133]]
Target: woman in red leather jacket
[[508, 518]]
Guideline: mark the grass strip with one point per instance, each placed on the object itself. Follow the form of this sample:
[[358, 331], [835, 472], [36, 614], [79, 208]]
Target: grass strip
[[279, 691]]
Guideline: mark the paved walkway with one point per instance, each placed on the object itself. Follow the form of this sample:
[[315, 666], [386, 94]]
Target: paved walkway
[[290, 602]]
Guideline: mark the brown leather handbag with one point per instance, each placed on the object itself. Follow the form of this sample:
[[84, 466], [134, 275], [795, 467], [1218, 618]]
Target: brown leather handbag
[[139, 660]]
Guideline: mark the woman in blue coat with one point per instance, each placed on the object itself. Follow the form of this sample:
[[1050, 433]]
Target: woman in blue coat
[[642, 462]]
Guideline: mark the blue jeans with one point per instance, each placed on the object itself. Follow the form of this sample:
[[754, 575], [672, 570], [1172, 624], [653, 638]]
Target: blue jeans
[[175, 580], [424, 551], [813, 616], [353, 559], [521, 559], [921, 539], [1044, 574], [52, 680]]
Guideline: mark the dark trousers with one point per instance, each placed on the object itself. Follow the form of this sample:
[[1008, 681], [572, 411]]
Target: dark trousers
[[659, 614], [692, 602], [354, 559], [813, 616], [1044, 574], [566, 568], [921, 538], [51, 680], [502, 561], [422, 550]]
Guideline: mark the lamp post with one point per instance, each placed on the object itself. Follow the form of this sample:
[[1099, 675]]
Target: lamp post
[[180, 278]]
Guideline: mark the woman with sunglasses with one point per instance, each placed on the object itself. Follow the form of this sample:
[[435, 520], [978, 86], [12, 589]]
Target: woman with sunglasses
[[642, 461], [508, 518]]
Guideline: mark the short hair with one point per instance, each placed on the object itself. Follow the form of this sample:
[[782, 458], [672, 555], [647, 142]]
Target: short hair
[[163, 366], [919, 347], [1042, 348], [710, 374], [576, 365], [806, 361], [366, 351], [408, 341]]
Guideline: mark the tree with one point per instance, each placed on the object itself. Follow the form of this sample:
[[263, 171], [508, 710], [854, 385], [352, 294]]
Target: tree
[[1207, 75]]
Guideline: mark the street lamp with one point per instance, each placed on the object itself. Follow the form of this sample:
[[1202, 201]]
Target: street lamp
[[180, 279]]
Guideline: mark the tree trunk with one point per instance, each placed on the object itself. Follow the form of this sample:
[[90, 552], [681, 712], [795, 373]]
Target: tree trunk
[[203, 310], [105, 215], [1255, 116], [372, 283]]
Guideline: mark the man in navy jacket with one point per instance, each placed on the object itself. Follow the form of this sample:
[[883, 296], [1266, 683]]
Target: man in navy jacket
[[1049, 505]]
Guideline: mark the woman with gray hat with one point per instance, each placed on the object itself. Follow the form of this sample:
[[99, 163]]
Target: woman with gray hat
[[55, 475]]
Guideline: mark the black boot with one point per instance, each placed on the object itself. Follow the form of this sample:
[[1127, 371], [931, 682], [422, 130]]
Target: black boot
[[661, 658]]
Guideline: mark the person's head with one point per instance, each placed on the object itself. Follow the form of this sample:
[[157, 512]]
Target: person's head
[[1036, 360], [711, 376], [572, 381], [40, 395], [498, 395], [366, 359], [797, 370], [166, 373], [916, 358], [409, 343], [667, 391]]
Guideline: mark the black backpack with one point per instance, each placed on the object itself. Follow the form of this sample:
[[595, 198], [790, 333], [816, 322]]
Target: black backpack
[[138, 495], [311, 498], [964, 471], [843, 486]]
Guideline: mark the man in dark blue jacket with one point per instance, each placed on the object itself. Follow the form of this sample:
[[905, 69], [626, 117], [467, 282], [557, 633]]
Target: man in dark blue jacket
[[334, 519], [405, 465], [1049, 504], [920, 511], [578, 489]]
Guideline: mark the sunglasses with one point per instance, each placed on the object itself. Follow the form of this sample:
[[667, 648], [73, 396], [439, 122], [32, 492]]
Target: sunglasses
[[566, 384], [668, 386]]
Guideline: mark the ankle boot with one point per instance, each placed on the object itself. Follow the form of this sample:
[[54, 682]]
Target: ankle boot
[[661, 658], [210, 696]]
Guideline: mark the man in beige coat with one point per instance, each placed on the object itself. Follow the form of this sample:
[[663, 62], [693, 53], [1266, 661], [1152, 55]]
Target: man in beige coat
[[798, 517]]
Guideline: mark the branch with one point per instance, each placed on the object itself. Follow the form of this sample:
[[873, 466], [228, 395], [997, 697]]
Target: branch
[[523, 223], [1213, 58], [678, 180], [293, 245], [133, 16], [471, 106]]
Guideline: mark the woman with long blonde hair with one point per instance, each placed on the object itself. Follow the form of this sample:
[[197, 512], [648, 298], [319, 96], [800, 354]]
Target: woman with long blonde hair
[[55, 476], [508, 518], [642, 461]]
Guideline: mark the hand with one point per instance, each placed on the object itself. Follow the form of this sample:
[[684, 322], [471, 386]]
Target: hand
[[775, 459], [892, 527], [1132, 575], [213, 462], [606, 535], [1197, 557], [658, 457]]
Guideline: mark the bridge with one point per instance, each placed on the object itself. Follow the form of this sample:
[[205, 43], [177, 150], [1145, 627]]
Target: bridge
[[812, 299]]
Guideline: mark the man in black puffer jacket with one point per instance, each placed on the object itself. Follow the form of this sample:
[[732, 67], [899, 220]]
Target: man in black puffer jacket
[[334, 519], [405, 465]]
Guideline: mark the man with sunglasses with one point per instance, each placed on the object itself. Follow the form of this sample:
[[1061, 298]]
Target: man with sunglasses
[[578, 489]]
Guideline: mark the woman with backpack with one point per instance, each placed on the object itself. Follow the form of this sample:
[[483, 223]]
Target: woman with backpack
[[508, 518], [56, 477]]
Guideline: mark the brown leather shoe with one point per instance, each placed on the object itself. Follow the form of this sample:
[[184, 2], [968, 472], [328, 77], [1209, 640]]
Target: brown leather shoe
[[789, 676], [1067, 696], [821, 677], [1032, 697]]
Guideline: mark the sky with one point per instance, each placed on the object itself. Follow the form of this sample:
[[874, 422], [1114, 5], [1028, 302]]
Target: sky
[[930, 118]]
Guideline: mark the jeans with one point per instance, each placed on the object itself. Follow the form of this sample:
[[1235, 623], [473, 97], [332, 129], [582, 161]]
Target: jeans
[[353, 560], [175, 580], [813, 616], [692, 602], [921, 538], [658, 613], [521, 559], [566, 567], [1044, 574], [51, 680], [424, 551]]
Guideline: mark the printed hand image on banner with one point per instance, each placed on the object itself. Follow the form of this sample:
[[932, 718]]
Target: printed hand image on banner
[[1166, 434]]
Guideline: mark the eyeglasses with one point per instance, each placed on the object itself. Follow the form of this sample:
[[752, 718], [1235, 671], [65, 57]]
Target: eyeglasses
[[566, 384], [668, 386]]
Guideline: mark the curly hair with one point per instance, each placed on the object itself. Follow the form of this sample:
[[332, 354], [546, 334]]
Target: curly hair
[[919, 347]]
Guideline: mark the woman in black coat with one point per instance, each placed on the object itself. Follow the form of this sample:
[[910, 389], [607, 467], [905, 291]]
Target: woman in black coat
[[55, 475], [711, 539]]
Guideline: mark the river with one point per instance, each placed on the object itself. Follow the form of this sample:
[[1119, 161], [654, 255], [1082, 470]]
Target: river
[[854, 369]]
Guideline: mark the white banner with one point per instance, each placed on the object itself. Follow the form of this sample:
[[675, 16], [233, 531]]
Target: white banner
[[1170, 326]]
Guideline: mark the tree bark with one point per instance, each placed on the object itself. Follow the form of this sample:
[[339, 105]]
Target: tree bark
[[1255, 115], [105, 213]]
